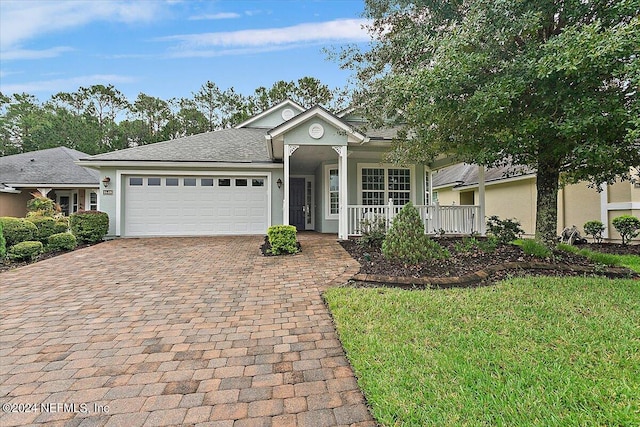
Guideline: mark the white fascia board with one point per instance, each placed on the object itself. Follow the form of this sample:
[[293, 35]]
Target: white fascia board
[[10, 190], [310, 114], [49, 185], [269, 111], [178, 165], [497, 181], [623, 206]]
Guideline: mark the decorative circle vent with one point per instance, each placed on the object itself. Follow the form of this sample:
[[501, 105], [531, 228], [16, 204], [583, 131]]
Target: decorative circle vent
[[316, 131], [287, 114]]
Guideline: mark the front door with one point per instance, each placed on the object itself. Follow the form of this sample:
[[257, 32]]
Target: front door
[[297, 203]]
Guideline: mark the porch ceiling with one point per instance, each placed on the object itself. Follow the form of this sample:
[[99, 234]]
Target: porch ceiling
[[307, 158]]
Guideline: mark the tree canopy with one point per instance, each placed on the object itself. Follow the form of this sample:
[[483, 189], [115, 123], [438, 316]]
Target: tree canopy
[[549, 84], [99, 118]]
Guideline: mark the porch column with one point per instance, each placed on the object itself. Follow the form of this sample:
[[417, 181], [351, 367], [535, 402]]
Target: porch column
[[343, 217], [481, 197], [430, 186], [288, 151]]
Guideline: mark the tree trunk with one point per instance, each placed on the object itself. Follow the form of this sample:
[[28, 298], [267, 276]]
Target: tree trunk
[[547, 178]]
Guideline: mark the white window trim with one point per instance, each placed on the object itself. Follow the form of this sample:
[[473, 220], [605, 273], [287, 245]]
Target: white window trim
[[327, 197], [87, 198], [386, 167]]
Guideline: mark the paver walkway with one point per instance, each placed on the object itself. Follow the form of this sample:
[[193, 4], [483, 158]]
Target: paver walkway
[[177, 331]]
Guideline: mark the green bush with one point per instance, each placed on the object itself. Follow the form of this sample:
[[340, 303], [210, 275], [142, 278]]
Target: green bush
[[62, 242], [628, 226], [373, 233], [46, 226], [282, 239], [594, 229], [536, 248], [89, 226], [3, 244], [506, 231], [17, 230], [40, 205], [61, 225], [406, 241], [470, 244], [25, 251]]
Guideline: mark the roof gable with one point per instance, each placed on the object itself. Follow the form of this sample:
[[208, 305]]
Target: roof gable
[[274, 116], [321, 113]]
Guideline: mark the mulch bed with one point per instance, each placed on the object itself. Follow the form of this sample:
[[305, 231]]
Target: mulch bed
[[6, 264], [476, 267]]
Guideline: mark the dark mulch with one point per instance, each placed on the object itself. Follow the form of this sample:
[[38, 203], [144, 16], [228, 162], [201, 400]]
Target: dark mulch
[[265, 248], [612, 248], [472, 261], [6, 265]]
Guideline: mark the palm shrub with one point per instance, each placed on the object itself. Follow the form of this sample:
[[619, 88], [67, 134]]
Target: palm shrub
[[628, 226], [40, 205], [406, 242], [17, 230], [89, 226], [25, 251], [594, 229], [3, 244]]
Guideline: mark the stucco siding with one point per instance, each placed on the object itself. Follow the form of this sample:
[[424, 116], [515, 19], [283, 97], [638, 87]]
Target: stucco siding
[[516, 199], [577, 204], [300, 134], [12, 204]]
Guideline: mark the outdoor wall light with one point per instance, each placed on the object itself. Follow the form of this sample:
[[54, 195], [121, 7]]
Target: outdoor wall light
[[106, 181], [279, 182]]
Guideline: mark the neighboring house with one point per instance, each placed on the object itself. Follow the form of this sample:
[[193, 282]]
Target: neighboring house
[[287, 165], [52, 173], [511, 193]]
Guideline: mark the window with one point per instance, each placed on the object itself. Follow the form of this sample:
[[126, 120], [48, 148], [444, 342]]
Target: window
[[172, 182], [189, 182], [334, 191], [224, 182], [93, 201], [135, 181], [206, 182], [241, 182], [154, 182], [379, 184], [74, 203], [257, 182]]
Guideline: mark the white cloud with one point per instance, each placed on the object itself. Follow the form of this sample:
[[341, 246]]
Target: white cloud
[[21, 21], [215, 16], [34, 54], [342, 30], [62, 85]]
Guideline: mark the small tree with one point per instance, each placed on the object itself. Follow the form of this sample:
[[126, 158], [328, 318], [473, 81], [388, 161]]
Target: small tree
[[40, 205], [594, 229], [628, 226]]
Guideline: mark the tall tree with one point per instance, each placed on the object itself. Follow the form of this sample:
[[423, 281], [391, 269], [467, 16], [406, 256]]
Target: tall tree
[[548, 84], [22, 117], [155, 113]]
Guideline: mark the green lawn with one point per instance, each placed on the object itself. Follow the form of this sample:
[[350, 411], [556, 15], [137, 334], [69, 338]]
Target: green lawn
[[526, 352], [630, 261]]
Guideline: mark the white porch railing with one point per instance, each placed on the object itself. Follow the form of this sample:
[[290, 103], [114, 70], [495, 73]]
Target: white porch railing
[[437, 219]]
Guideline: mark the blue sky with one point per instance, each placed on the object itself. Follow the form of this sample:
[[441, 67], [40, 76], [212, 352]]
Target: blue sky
[[170, 48]]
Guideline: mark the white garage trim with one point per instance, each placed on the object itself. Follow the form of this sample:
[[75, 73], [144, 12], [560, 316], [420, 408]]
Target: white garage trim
[[122, 174]]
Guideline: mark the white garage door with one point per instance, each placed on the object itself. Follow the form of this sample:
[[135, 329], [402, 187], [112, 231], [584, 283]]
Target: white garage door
[[195, 206]]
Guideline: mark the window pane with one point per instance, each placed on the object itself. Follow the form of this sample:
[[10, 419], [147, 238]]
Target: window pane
[[135, 181], [224, 182], [257, 182], [153, 181], [172, 182], [334, 181], [373, 198], [334, 192], [399, 179], [372, 179], [206, 182], [241, 182], [189, 182], [334, 202]]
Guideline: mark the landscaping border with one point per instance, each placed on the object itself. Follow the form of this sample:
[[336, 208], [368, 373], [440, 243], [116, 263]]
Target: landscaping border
[[479, 276]]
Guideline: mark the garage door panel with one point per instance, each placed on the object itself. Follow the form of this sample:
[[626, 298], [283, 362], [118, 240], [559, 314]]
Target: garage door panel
[[184, 210]]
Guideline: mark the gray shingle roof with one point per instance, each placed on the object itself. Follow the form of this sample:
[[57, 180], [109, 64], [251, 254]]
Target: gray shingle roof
[[244, 145], [463, 174], [51, 166]]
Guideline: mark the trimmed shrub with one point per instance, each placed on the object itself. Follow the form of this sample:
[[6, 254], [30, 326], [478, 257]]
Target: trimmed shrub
[[40, 205], [506, 231], [628, 226], [3, 244], [61, 225], [46, 226], [25, 251], [282, 239], [406, 241], [17, 230], [89, 226], [62, 242], [594, 229]]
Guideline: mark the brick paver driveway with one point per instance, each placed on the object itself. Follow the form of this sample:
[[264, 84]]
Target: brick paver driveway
[[183, 331]]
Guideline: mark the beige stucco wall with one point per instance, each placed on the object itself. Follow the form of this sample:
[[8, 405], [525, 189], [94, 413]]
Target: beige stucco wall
[[577, 204], [515, 199], [14, 204]]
